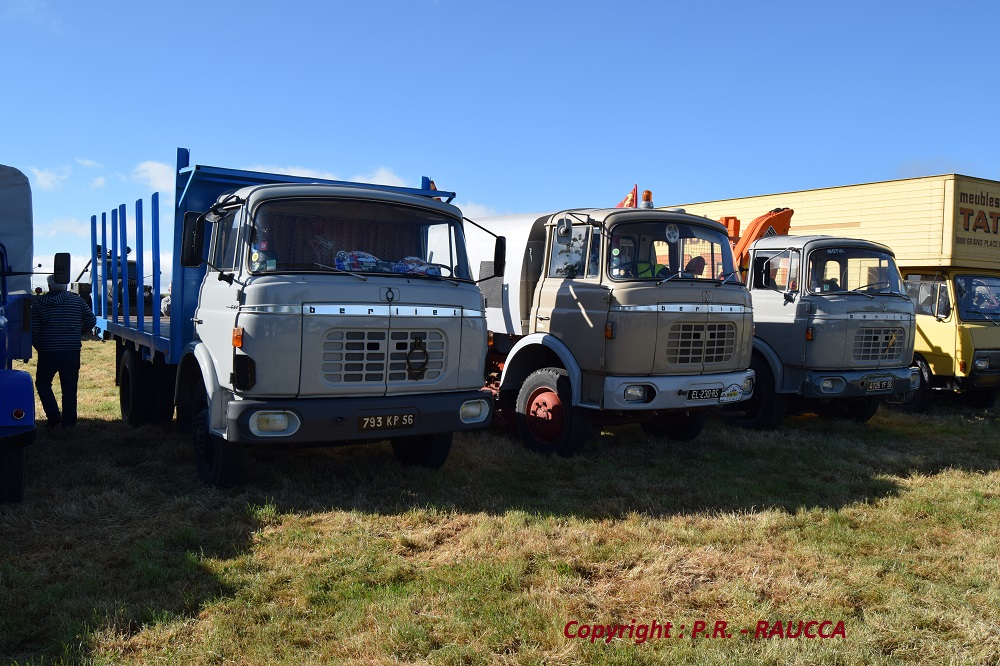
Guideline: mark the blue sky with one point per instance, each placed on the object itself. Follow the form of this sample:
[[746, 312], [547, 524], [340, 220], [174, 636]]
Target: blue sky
[[516, 106]]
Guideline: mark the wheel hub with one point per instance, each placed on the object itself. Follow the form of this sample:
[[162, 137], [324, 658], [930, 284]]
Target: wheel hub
[[545, 414]]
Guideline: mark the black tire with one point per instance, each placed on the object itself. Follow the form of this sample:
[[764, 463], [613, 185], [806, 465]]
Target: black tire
[[859, 410], [430, 451], [161, 409], [546, 419], [917, 401], [134, 388], [219, 462], [11, 472], [765, 410], [982, 399], [677, 426]]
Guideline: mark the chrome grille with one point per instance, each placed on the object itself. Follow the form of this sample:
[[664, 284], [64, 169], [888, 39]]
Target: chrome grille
[[370, 356], [689, 343], [878, 344]]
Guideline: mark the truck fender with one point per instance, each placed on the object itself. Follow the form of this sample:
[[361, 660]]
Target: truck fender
[[534, 352], [767, 352], [196, 361]]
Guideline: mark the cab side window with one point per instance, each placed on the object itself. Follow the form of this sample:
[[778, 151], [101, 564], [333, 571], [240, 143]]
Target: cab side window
[[226, 236], [567, 260], [776, 271], [929, 294]]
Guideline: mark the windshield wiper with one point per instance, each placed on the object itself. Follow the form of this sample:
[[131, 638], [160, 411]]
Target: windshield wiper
[[726, 276], [339, 270], [669, 277]]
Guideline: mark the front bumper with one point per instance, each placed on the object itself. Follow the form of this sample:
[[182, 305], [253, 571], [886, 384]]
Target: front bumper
[[332, 420], [672, 391], [981, 379], [856, 384]]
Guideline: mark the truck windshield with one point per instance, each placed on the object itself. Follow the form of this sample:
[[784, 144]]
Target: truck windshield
[[853, 269], [358, 236], [659, 249], [978, 297]]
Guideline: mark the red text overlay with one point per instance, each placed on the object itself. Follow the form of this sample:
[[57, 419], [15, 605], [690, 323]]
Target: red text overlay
[[640, 632]]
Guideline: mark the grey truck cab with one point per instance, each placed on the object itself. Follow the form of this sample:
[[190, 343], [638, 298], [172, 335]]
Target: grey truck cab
[[303, 312], [834, 328], [613, 316]]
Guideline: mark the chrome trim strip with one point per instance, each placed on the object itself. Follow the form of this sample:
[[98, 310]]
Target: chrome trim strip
[[360, 310], [418, 311], [271, 309], [354, 310], [695, 308]]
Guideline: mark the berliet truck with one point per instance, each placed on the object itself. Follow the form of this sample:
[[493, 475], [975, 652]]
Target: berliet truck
[[17, 395], [611, 316], [944, 232], [834, 328], [302, 311]]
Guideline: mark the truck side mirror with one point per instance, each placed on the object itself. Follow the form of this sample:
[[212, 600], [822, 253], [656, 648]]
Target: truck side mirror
[[60, 267], [193, 238], [500, 256], [564, 231]]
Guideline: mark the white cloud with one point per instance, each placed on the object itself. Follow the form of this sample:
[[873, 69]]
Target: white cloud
[[156, 175], [62, 227], [474, 210], [382, 176], [50, 179], [90, 164], [36, 12], [305, 172], [98, 182]]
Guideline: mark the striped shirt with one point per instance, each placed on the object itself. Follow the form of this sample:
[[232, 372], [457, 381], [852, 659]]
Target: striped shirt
[[57, 321]]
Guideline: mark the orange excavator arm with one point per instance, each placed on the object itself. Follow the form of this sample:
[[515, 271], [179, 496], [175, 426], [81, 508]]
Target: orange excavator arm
[[774, 223]]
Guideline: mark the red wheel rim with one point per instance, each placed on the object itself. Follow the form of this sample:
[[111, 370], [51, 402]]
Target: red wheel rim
[[545, 416]]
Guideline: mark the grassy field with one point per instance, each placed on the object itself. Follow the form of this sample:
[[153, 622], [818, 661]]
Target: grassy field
[[119, 555]]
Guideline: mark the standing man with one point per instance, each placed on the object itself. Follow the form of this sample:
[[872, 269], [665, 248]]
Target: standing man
[[58, 319]]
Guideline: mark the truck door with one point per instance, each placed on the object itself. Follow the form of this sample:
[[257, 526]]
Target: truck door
[[219, 300], [570, 301], [774, 287], [936, 333]]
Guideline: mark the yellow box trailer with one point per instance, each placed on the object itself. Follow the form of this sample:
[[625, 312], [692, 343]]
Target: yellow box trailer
[[945, 232]]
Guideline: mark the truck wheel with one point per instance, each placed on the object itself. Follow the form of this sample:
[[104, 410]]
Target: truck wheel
[[860, 410], [546, 419], [133, 388], [677, 426], [765, 410], [978, 399], [11, 472], [918, 400], [430, 451], [162, 406], [220, 462]]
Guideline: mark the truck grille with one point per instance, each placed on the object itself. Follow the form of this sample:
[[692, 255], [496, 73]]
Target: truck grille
[[878, 344], [689, 343], [371, 356]]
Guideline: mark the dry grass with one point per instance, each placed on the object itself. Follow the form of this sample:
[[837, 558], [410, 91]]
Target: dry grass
[[119, 555]]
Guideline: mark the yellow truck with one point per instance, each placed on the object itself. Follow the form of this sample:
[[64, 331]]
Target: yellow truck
[[945, 232]]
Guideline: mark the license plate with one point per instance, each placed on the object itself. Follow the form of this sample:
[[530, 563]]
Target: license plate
[[704, 394], [880, 385], [387, 421]]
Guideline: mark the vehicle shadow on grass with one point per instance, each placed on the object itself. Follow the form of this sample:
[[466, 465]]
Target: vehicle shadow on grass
[[114, 534], [117, 533], [809, 463]]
